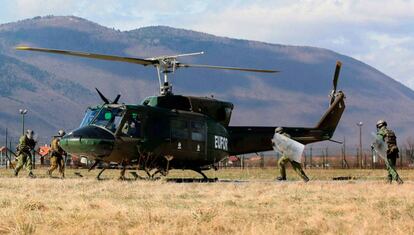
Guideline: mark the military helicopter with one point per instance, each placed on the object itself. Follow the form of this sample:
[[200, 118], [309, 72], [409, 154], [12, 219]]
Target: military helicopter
[[171, 131]]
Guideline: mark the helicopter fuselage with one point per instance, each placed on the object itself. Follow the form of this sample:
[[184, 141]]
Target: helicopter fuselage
[[151, 137], [180, 132]]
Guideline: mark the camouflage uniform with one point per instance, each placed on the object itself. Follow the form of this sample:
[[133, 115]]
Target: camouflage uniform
[[295, 165], [24, 155], [392, 153], [57, 158]]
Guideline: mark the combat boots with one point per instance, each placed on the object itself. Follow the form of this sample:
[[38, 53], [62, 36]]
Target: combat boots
[[31, 175], [280, 178], [399, 180], [304, 176]]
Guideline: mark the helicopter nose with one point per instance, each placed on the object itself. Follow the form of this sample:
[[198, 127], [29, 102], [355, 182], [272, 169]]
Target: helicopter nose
[[91, 141]]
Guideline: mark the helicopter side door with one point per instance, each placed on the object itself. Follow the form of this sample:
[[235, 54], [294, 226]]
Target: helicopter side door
[[180, 136], [198, 138], [132, 126], [189, 138], [130, 132]]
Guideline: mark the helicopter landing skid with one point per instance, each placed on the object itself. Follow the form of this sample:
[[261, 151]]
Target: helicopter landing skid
[[98, 177], [151, 176], [136, 176], [192, 180], [204, 179]]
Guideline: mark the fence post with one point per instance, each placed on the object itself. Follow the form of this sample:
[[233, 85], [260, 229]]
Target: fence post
[[7, 152], [323, 159], [365, 159], [10, 159]]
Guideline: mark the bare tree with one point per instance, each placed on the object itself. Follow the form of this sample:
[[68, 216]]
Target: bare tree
[[409, 148]]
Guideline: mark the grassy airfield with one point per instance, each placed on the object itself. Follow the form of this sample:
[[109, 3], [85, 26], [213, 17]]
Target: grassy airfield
[[257, 205]]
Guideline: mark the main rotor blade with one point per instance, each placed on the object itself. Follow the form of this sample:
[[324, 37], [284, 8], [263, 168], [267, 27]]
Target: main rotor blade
[[336, 75], [91, 55], [226, 68], [175, 56]]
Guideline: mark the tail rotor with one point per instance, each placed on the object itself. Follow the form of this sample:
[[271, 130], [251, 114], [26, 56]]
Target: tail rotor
[[335, 80]]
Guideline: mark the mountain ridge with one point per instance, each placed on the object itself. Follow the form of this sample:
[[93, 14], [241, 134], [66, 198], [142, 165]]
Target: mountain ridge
[[306, 76]]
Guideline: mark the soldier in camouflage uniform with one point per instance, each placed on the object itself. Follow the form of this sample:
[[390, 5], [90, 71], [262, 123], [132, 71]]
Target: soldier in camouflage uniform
[[57, 156], [285, 159], [26, 145], [388, 136]]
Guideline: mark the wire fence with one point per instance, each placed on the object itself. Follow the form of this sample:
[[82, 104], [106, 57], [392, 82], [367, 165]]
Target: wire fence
[[323, 158]]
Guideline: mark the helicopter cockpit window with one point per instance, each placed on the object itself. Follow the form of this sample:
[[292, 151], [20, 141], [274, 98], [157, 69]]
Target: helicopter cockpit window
[[132, 126], [109, 118], [89, 115], [179, 129], [228, 113], [197, 131]]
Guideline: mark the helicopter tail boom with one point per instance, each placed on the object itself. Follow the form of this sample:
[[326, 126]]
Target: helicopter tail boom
[[257, 139], [330, 119], [244, 139]]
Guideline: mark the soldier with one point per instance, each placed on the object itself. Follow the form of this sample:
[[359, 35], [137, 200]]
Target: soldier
[[57, 155], [285, 159], [26, 145], [388, 136]]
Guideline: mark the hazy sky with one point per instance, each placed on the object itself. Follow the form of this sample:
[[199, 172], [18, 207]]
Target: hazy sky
[[378, 32]]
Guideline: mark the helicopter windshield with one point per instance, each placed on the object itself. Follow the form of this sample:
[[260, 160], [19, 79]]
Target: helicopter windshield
[[89, 115], [109, 118]]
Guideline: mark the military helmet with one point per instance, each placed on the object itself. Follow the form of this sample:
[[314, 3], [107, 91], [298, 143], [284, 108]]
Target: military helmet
[[381, 123], [279, 130], [29, 133], [61, 132]]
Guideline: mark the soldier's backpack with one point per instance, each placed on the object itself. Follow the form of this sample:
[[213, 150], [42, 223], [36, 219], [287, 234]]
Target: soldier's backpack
[[391, 141], [390, 138]]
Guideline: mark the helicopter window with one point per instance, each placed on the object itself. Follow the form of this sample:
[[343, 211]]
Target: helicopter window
[[109, 118], [132, 126], [228, 113], [150, 101], [197, 131], [89, 115], [179, 129]]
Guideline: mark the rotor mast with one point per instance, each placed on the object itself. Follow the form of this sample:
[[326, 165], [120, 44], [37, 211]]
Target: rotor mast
[[167, 65]]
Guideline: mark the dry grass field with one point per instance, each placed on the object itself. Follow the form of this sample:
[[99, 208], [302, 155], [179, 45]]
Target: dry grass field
[[254, 205]]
